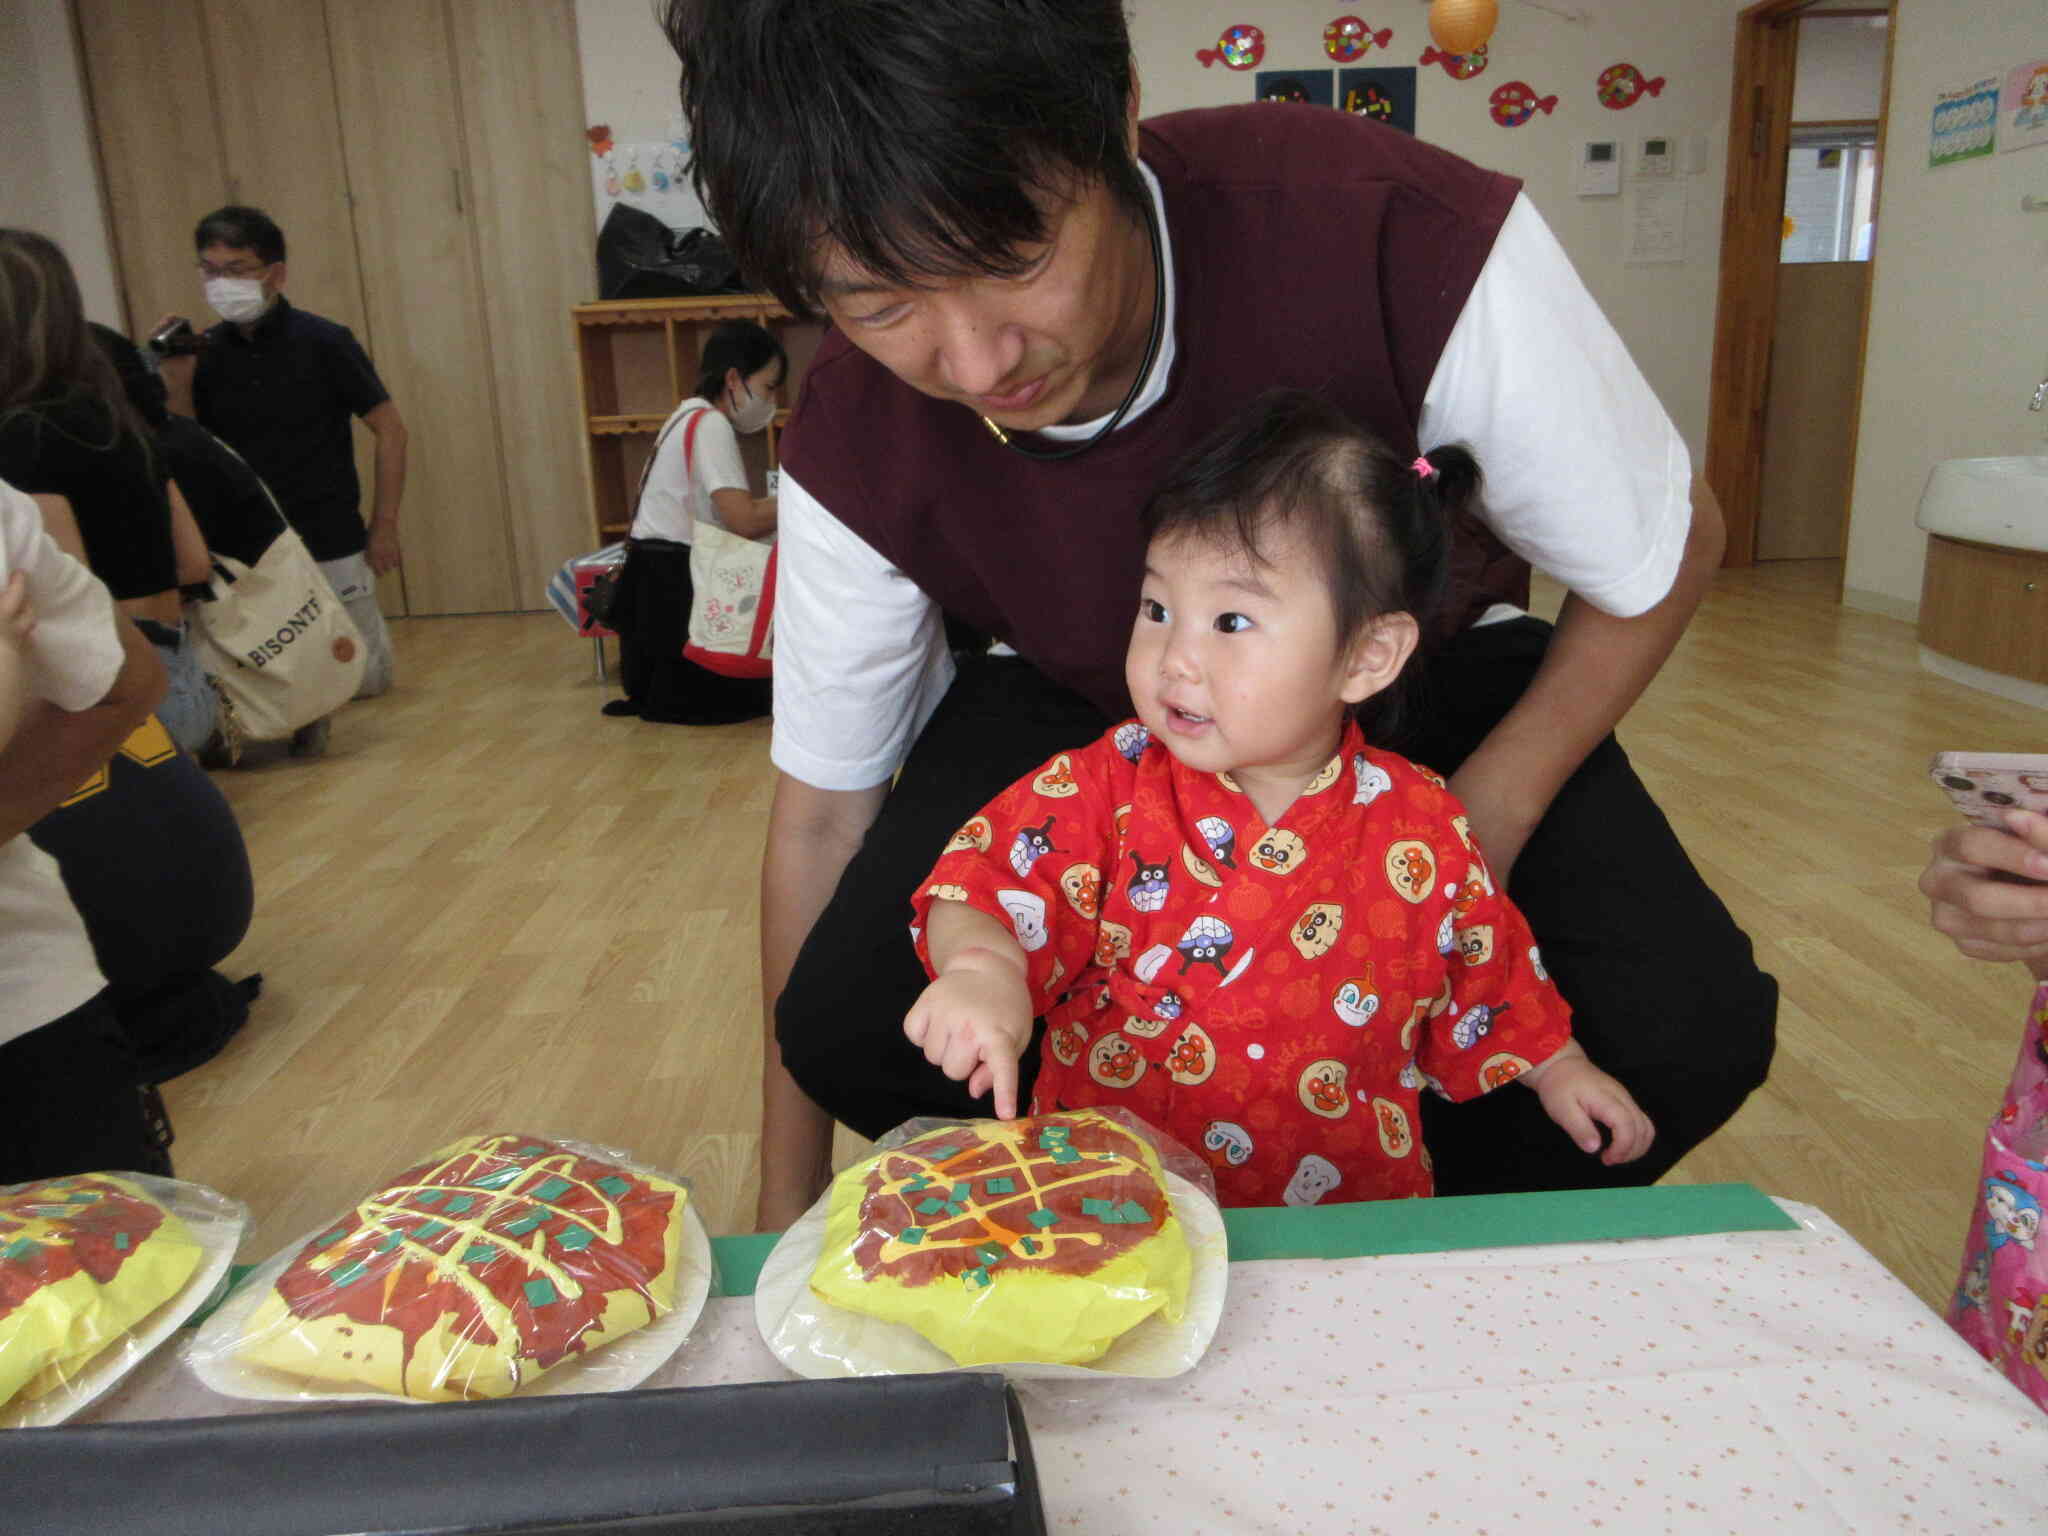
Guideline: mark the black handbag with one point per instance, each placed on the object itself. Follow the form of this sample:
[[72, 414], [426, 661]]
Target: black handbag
[[639, 257]]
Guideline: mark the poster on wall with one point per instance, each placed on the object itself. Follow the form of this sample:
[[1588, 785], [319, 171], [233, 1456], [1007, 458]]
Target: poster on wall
[[2023, 107], [1384, 95], [651, 175], [1309, 87], [1965, 123]]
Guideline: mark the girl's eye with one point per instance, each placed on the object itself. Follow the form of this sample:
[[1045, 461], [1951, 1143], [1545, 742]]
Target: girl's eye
[[1232, 623], [1150, 608]]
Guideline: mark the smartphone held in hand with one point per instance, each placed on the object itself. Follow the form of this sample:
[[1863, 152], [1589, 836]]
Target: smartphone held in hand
[[1985, 785]]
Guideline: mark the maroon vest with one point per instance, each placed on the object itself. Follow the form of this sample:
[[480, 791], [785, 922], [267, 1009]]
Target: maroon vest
[[1311, 248]]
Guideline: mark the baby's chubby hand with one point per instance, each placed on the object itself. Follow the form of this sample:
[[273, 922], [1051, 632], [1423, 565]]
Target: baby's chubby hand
[[1581, 1098], [974, 1022]]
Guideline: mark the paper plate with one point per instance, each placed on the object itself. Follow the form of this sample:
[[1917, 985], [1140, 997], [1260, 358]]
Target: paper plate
[[216, 1224], [817, 1339], [615, 1367]]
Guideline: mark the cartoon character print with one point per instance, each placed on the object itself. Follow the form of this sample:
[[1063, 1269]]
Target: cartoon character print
[[1056, 780], [1316, 930], [1327, 775], [1193, 1058], [1169, 1006], [1397, 1139], [1356, 1002], [1082, 885], [1973, 1289], [1131, 740], [1114, 1062], [1321, 1088], [1030, 845], [1411, 869], [1465, 894], [1147, 966], [1475, 944], [1221, 837], [1112, 943], [1144, 1028], [1446, 934], [1372, 780], [946, 892], [976, 835], [1280, 852], [2012, 1214], [1199, 867], [1229, 1141], [1313, 1178], [2034, 1337], [1026, 911], [1206, 942], [1501, 1068], [1067, 1041], [1148, 885], [1414, 1025], [1476, 1023], [1536, 963]]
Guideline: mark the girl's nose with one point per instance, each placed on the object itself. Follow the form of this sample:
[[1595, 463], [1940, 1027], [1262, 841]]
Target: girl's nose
[[1178, 661]]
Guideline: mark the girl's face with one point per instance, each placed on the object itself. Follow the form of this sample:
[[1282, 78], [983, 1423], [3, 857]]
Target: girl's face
[[1234, 664]]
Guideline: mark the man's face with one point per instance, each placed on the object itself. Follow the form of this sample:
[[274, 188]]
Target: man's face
[[241, 262], [1060, 343]]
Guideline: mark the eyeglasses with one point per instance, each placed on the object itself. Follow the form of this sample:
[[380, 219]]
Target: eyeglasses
[[235, 269]]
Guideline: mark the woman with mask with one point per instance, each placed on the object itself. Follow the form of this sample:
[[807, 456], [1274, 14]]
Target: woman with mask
[[695, 475]]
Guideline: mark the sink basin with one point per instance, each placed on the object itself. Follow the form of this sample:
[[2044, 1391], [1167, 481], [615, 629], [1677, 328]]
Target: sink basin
[[1989, 501]]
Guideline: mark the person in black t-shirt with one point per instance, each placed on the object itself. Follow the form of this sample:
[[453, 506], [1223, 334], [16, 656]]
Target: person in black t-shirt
[[279, 385]]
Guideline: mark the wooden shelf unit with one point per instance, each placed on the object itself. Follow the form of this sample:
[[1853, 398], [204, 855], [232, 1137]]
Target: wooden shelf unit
[[637, 360]]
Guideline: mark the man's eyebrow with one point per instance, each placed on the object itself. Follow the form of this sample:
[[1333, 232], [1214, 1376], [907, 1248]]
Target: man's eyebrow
[[849, 287]]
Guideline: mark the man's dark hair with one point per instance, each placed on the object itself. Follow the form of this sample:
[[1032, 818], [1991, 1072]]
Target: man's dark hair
[[908, 134], [737, 344], [243, 229]]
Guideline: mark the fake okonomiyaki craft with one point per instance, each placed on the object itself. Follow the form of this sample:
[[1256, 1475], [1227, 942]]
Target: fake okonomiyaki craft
[[503, 1263], [96, 1270], [1064, 1241]]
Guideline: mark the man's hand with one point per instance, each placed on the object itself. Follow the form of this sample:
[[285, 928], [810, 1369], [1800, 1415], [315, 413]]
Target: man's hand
[[1976, 884], [1581, 1098], [975, 1021], [385, 555]]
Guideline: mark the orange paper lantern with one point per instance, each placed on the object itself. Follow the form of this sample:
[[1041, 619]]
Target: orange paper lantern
[[1460, 26]]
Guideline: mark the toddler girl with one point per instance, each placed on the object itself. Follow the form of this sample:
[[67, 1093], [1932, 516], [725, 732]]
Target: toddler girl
[[1238, 919]]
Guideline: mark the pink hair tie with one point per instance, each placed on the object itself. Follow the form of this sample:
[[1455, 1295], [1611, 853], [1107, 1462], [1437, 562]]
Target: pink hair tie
[[1423, 467]]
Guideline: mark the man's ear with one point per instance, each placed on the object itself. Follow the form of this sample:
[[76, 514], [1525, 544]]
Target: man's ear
[[278, 273], [1377, 656]]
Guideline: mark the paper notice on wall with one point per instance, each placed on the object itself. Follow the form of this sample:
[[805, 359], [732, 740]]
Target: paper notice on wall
[[652, 176], [1965, 123], [1656, 224], [2023, 106]]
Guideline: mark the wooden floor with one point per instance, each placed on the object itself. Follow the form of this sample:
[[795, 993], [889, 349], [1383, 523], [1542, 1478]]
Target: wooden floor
[[491, 907]]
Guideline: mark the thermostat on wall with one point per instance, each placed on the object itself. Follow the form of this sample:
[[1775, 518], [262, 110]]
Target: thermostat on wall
[[1657, 157], [1600, 168]]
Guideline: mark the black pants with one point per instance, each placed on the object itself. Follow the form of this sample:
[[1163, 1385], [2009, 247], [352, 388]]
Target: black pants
[[70, 1101], [1664, 988], [653, 623]]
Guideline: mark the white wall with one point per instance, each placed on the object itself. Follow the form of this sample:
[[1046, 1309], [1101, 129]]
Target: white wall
[[1664, 313], [48, 180], [1959, 312], [1841, 70]]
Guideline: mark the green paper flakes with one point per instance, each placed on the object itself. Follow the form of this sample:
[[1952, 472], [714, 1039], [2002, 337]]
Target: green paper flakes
[[1000, 1187], [939, 1154], [933, 1206], [1043, 1218], [480, 1253], [911, 1235], [531, 1149], [575, 1239], [460, 1205], [553, 1189], [347, 1274], [540, 1292], [523, 1225], [991, 1254], [121, 1241], [613, 1185], [430, 1199], [390, 1241], [331, 1238], [427, 1229], [1029, 1245], [498, 1178], [22, 1249], [963, 1191], [1135, 1214], [978, 1277]]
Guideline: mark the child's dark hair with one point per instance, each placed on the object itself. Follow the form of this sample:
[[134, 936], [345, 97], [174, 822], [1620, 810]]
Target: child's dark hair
[[240, 228], [1376, 525], [737, 344]]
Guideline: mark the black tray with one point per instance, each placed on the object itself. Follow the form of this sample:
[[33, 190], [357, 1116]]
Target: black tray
[[937, 1454]]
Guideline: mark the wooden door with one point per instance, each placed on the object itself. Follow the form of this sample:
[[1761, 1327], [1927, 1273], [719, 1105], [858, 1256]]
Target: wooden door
[[151, 82], [1809, 456], [402, 140], [522, 109]]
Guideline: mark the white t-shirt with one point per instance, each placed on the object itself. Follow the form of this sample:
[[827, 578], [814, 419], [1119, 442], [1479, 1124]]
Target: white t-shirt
[[46, 961], [1586, 479], [675, 495]]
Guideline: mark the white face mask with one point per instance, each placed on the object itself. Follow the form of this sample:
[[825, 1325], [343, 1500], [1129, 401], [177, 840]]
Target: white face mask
[[751, 417], [237, 299]]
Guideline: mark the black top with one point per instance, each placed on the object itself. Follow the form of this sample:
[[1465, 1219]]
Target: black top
[[281, 396], [73, 448], [235, 513]]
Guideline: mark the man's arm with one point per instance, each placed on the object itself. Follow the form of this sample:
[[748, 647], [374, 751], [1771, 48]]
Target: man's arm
[[388, 427], [812, 834], [1596, 668], [56, 750]]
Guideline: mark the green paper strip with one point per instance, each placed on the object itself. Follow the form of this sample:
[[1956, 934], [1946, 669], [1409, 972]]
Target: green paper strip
[[480, 1253], [1449, 1224], [121, 1241], [540, 1292], [911, 1235], [427, 1229], [938, 1154], [575, 1239], [498, 1178], [1000, 1187], [460, 1205], [613, 1185]]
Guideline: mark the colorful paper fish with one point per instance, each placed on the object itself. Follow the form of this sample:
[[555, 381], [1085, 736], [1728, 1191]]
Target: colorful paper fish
[[1516, 102], [1349, 38], [1459, 66], [1623, 85], [1240, 47]]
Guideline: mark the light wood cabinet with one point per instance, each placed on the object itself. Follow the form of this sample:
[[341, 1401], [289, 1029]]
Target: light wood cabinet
[[426, 161], [638, 360], [1987, 607]]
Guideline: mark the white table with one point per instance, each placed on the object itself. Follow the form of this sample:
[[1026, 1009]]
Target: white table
[[1727, 1383]]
